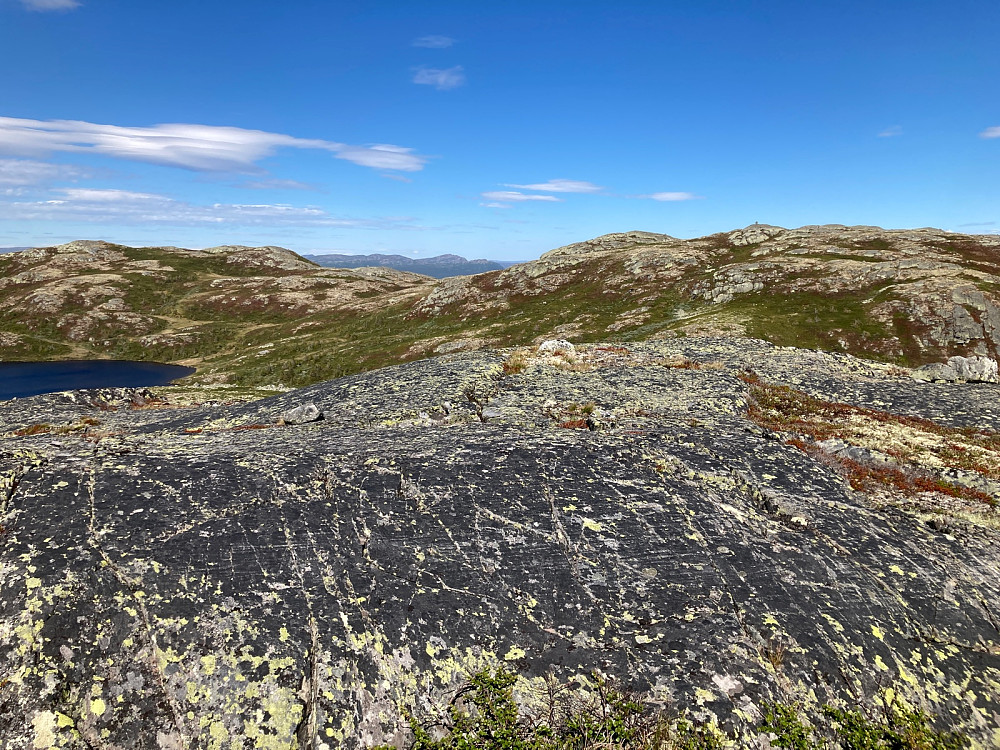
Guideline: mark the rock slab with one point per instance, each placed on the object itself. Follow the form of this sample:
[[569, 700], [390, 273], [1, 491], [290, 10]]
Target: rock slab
[[173, 578]]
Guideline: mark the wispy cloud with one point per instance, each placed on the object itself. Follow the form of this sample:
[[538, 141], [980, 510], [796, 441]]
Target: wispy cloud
[[25, 172], [43, 5], [203, 148], [494, 204], [512, 196], [433, 41], [891, 132], [134, 208], [677, 196], [561, 186], [276, 185], [441, 79], [991, 133]]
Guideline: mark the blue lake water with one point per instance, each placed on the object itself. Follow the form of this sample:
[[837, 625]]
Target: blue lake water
[[20, 379]]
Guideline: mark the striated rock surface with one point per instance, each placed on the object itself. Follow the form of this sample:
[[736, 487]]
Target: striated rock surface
[[204, 578]]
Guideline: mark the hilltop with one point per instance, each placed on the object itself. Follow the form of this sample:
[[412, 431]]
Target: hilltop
[[257, 316]]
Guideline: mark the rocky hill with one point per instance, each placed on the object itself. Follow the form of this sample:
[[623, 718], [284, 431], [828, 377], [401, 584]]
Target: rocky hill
[[438, 267], [222, 309], [906, 296], [717, 523], [267, 316]]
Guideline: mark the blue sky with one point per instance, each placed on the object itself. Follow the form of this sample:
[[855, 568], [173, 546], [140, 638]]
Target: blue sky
[[491, 129]]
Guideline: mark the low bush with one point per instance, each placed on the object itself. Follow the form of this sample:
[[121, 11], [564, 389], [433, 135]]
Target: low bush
[[484, 715]]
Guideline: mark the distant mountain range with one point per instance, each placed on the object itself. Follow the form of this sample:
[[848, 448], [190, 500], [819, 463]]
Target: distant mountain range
[[12, 249], [438, 267]]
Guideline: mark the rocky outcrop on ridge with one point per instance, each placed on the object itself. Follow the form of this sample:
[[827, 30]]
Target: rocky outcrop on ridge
[[911, 295], [715, 522]]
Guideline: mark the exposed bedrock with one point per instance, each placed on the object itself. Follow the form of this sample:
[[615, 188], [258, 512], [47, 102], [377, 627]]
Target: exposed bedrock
[[208, 578]]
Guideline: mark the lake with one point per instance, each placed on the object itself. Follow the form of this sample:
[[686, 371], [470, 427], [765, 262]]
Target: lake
[[20, 379]]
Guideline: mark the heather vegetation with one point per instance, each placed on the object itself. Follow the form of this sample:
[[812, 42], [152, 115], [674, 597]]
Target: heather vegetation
[[485, 714]]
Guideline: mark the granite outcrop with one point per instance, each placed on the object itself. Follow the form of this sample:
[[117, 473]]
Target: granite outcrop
[[715, 522]]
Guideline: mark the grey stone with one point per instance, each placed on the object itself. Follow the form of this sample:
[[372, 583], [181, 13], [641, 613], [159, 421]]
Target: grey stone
[[974, 369], [301, 414], [935, 373], [553, 346]]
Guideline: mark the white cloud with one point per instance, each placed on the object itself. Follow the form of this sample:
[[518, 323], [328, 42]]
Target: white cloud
[[433, 41], [990, 133], [441, 79], [203, 148], [507, 196], [276, 185], [134, 208], [43, 5], [494, 204], [561, 186], [25, 172], [671, 196], [891, 132], [383, 156]]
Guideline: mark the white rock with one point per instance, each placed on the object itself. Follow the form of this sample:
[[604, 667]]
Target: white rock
[[302, 414], [553, 346], [975, 369]]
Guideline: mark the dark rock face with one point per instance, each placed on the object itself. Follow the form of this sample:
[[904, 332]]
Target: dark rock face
[[204, 578]]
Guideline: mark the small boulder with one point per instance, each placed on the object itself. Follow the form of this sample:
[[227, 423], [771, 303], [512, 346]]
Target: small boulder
[[555, 346], [301, 414], [935, 373]]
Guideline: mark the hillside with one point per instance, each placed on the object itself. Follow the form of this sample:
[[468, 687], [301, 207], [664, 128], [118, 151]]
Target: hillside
[[715, 523], [438, 267], [234, 312], [266, 316]]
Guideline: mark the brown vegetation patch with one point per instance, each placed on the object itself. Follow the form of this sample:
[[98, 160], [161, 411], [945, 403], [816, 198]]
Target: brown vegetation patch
[[921, 447], [516, 363], [33, 429], [906, 479]]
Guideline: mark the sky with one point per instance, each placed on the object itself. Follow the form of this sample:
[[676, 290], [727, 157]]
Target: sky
[[491, 130]]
